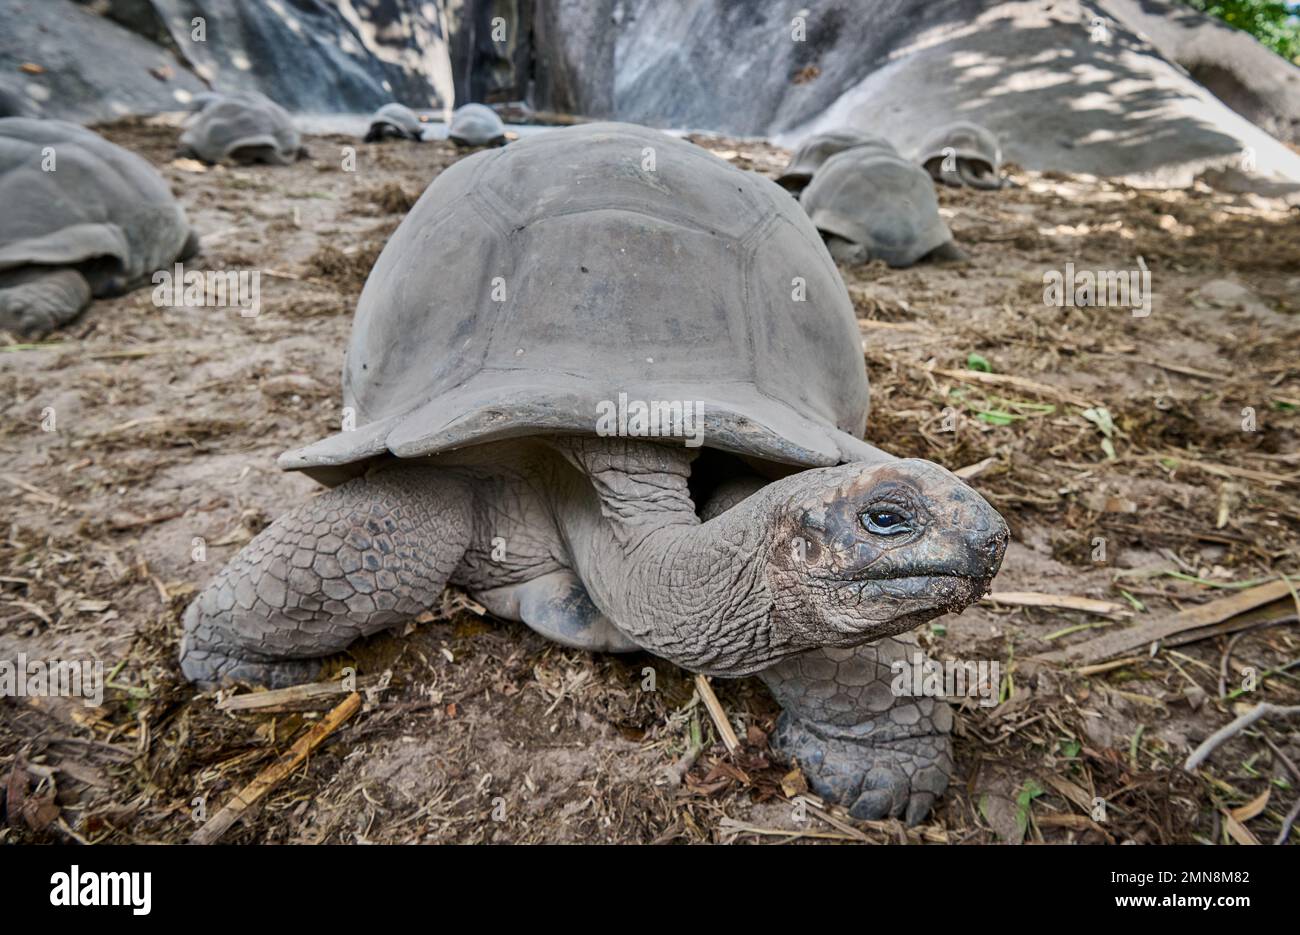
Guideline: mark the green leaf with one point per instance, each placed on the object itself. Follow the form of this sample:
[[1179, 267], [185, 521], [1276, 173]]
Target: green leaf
[[1134, 602], [976, 362], [1272, 22], [1024, 801]]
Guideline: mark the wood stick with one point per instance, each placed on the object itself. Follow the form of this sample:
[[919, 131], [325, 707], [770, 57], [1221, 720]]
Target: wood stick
[[1072, 822], [1117, 642], [733, 826], [1183, 369], [268, 778], [868, 324], [295, 694], [1108, 666], [1060, 601], [971, 471], [835, 822], [1223, 734], [36, 492], [1227, 470], [725, 730], [1253, 620], [1006, 379]]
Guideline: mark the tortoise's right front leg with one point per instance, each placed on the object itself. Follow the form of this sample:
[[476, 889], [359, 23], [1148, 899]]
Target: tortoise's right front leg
[[875, 752], [371, 553]]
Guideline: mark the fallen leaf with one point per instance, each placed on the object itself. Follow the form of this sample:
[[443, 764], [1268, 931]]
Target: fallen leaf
[[16, 793], [1253, 807], [1240, 833], [793, 783]]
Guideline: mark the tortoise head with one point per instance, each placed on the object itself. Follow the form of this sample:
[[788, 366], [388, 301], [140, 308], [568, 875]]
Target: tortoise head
[[864, 551]]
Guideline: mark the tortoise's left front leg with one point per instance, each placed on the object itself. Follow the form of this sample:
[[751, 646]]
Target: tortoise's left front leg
[[859, 744], [369, 554], [35, 300]]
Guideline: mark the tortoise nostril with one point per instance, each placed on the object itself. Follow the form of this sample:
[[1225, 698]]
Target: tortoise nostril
[[987, 551], [995, 548]]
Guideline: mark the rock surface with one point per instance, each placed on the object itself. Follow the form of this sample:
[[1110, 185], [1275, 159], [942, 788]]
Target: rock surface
[[1262, 87], [44, 71], [1069, 86]]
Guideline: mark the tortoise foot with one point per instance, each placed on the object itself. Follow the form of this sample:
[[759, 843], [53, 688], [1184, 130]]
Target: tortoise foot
[[891, 778], [211, 668]]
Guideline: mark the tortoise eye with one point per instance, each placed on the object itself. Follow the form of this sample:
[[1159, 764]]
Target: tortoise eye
[[885, 522]]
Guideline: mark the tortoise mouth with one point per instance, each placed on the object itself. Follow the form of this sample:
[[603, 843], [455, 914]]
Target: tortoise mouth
[[867, 609], [933, 583], [941, 593]]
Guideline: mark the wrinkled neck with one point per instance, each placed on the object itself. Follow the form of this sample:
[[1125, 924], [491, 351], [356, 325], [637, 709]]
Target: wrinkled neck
[[695, 593], [640, 488]]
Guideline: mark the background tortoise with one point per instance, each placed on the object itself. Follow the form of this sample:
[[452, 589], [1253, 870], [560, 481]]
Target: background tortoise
[[873, 205], [819, 147], [395, 121], [476, 125], [242, 130], [963, 153], [569, 273], [81, 216]]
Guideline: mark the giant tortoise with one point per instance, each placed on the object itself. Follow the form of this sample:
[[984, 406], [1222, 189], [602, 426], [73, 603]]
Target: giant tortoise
[[963, 153], [873, 205], [81, 217], [395, 122], [476, 125], [819, 147], [536, 357], [241, 129]]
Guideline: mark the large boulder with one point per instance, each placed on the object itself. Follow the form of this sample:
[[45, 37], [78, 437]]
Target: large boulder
[[1067, 85], [154, 55], [491, 48], [1064, 89], [1261, 86], [311, 55], [47, 71]]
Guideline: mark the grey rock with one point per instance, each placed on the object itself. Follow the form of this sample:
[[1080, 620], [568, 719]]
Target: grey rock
[[93, 68]]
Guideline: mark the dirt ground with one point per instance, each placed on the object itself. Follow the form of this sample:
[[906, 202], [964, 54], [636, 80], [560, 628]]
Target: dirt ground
[[168, 421]]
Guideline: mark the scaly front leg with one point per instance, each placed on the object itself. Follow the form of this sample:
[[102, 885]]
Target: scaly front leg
[[859, 743], [364, 556]]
